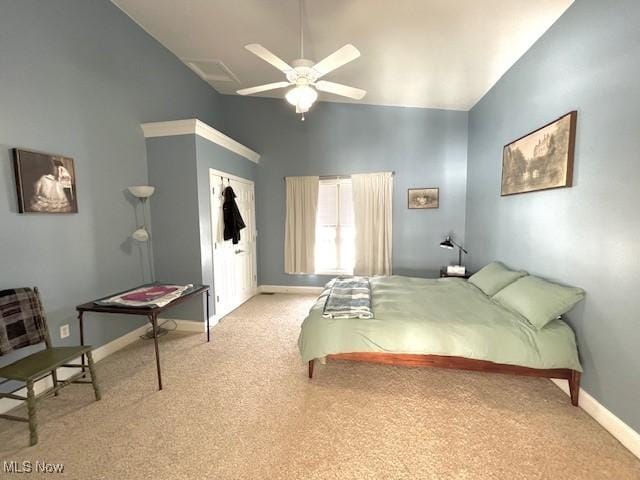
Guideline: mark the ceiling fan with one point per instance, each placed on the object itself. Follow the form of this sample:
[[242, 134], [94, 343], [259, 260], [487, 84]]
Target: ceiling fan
[[305, 75]]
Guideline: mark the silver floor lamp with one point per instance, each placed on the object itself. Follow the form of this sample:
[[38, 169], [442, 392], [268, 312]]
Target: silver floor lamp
[[142, 235]]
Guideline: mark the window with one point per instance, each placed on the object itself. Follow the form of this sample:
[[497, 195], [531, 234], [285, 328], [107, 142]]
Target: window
[[335, 229]]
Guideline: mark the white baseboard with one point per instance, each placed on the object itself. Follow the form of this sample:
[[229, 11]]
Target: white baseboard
[[192, 326], [289, 289], [184, 325], [65, 372], [118, 344], [626, 435], [7, 404], [100, 353]]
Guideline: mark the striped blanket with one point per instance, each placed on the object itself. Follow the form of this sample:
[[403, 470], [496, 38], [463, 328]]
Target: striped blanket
[[22, 321], [348, 297]]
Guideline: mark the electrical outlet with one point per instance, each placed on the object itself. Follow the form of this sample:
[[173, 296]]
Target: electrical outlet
[[64, 331]]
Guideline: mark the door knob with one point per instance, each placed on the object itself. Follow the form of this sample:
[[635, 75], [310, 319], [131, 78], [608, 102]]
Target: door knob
[[239, 251]]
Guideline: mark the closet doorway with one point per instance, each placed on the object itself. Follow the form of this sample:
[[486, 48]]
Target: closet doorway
[[234, 266]]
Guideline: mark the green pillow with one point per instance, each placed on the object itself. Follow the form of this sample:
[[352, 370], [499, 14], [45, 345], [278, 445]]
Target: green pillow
[[494, 277], [537, 300]]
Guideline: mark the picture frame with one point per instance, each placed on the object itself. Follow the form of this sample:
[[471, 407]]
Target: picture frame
[[45, 183], [423, 198], [542, 159]]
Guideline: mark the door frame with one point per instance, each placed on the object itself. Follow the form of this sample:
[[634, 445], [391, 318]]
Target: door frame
[[216, 174]]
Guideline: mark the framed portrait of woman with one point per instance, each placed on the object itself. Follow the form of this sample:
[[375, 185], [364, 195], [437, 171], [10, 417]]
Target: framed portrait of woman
[[45, 183]]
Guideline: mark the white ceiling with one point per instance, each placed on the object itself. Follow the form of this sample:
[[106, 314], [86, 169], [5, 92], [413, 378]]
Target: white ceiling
[[420, 53]]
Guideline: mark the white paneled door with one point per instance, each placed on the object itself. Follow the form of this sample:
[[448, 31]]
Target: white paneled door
[[234, 266]]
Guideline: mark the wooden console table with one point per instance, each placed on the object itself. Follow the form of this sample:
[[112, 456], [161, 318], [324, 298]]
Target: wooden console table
[[150, 312]]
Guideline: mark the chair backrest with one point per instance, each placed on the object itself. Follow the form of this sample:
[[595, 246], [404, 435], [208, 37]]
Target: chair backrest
[[22, 320]]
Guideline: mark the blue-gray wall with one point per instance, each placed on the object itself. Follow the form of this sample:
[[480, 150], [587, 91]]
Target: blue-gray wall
[[78, 77], [181, 212], [174, 208], [587, 235], [426, 148]]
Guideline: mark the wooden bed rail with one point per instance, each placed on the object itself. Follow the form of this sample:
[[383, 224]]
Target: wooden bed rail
[[460, 363]]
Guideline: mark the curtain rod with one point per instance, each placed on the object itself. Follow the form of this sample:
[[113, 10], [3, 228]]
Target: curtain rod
[[334, 177], [338, 177]]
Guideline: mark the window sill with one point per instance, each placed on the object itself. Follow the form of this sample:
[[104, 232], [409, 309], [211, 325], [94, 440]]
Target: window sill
[[334, 272]]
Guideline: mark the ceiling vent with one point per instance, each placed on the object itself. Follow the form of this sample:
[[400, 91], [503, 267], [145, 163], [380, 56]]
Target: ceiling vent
[[212, 70]]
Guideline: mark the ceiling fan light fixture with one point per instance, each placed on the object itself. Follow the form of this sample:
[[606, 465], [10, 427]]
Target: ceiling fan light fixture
[[303, 74], [302, 97]]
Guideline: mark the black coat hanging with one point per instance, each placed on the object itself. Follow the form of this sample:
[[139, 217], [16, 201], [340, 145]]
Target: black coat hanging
[[233, 222]]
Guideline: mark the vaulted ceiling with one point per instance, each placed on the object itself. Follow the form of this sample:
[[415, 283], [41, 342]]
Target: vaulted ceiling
[[420, 53]]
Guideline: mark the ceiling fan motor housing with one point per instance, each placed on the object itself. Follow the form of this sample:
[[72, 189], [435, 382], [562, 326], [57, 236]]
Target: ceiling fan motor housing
[[303, 72]]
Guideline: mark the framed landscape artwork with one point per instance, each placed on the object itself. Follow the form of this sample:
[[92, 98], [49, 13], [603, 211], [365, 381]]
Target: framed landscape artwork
[[45, 183], [422, 198], [542, 159]]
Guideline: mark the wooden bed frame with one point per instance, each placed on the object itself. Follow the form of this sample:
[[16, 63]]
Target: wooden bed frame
[[460, 363]]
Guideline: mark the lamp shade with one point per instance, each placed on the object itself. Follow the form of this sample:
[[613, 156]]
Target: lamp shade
[[142, 191], [140, 235], [447, 243]]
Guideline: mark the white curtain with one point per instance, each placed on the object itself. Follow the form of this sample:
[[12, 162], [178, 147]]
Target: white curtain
[[300, 224], [372, 206]]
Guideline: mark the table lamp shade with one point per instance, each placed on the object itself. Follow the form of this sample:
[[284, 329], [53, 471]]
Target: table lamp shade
[[447, 243]]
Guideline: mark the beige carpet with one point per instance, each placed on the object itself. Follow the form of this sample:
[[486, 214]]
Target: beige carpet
[[242, 407]]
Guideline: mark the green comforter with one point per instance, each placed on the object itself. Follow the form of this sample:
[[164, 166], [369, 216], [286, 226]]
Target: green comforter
[[447, 316]]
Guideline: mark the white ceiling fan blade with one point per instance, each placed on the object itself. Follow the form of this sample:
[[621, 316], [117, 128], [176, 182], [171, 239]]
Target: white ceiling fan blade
[[262, 88], [268, 57], [336, 59], [339, 89]]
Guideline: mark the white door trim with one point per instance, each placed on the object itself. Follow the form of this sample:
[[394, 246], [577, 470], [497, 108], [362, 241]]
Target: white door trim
[[220, 173], [216, 175]]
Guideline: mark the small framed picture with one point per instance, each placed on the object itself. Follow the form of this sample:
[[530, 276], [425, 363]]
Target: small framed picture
[[45, 183], [422, 198]]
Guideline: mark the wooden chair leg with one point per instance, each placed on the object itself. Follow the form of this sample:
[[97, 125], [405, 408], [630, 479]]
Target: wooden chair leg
[[311, 362], [574, 387], [31, 411], [92, 371], [54, 377]]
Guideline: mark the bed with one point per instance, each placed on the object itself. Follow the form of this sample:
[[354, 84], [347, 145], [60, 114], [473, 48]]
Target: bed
[[447, 323]]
